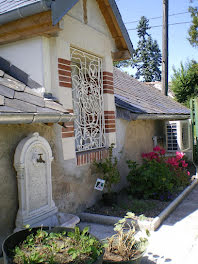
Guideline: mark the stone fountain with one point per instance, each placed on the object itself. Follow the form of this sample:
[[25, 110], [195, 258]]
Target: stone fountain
[[32, 161]]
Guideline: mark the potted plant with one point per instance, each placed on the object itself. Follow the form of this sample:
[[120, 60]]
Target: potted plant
[[59, 245], [127, 245], [111, 175]]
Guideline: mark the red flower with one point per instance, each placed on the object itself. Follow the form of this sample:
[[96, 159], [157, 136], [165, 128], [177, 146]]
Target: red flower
[[179, 154], [162, 151], [157, 148], [184, 164]]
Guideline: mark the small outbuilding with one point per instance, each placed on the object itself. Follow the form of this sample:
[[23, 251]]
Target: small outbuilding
[[146, 118]]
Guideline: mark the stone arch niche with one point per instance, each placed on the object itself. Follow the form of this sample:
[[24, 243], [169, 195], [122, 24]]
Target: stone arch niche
[[32, 161]]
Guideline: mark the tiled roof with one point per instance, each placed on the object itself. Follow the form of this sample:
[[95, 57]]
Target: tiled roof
[[9, 5], [140, 98], [16, 97], [158, 85]]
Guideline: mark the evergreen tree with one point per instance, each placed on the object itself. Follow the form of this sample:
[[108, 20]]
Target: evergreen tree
[[193, 31], [147, 57]]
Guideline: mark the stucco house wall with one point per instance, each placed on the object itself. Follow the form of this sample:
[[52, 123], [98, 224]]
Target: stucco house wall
[[133, 138]]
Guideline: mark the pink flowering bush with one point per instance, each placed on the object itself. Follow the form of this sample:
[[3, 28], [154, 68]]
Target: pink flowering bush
[[158, 177]]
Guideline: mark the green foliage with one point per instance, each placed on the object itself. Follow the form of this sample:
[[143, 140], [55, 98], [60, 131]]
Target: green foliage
[[147, 57], [185, 82], [155, 179], [84, 244], [193, 30], [125, 242], [109, 169], [44, 247], [150, 180]]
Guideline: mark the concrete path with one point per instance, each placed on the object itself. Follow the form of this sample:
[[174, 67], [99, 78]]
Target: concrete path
[[175, 242]]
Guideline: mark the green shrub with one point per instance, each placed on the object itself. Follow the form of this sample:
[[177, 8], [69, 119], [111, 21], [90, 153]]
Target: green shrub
[[157, 177]]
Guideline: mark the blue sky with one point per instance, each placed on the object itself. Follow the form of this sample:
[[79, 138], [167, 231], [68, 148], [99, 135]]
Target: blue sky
[[179, 47]]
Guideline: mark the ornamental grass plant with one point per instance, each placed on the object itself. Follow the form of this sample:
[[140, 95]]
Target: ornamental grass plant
[[126, 244], [158, 177]]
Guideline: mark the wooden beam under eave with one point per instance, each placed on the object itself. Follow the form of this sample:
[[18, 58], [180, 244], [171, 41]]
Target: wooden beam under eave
[[121, 55], [112, 24], [28, 27]]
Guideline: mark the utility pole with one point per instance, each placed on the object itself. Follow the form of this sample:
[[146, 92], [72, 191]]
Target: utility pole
[[165, 49]]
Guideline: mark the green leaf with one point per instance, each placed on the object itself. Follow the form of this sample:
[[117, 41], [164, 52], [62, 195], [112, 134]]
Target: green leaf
[[85, 230]]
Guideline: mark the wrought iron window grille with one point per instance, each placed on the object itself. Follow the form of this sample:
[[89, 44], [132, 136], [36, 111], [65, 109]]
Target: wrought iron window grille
[[87, 93]]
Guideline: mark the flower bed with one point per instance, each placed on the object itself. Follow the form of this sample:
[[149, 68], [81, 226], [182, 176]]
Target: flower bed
[[152, 186]]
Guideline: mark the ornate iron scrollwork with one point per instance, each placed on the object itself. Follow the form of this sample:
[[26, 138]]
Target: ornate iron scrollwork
[[87, 92]]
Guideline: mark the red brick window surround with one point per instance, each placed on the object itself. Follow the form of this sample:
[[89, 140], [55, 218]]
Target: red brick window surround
[[110, 125], [88, 157], [65, 81], [64, 73], [108, 83]]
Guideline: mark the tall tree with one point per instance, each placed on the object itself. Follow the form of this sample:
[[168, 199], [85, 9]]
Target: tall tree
[[147, 57], [193, 30], [184, 82]]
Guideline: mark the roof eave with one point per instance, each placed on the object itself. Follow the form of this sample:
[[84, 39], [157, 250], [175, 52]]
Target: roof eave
[[25, 11], [128, 115], [60, 8], [122, 26]]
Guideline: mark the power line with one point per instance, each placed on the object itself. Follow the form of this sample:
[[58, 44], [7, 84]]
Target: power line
[[181, 13], [179, 23]]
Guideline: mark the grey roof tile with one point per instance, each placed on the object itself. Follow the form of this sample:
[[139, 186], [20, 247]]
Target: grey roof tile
[[11, 83], [17, 97], [1, 100], [26, 97], [1, 73], [149, 100], [21, 105], [17, 73], [53, 105], [7, 92], [46, 110], [36, 92], [8, 5], [7, 109]]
